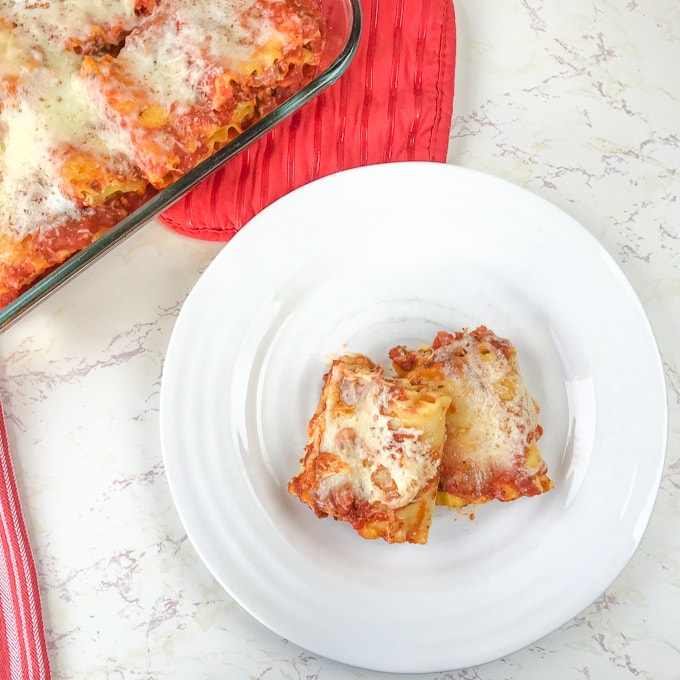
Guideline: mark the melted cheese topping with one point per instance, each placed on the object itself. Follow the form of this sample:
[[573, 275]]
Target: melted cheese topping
[[494, 412], [52, 22], [49, 109], [203, 37], [361, 429], [46, 108]]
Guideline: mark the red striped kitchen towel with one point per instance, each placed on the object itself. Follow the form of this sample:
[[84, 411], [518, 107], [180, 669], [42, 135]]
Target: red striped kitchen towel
[[394, 103], [23, 654]]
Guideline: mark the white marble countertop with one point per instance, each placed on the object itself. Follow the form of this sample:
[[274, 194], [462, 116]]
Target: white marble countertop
[[580, 103]]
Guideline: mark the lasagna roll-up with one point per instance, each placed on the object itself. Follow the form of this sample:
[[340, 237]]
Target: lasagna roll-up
[[492, 428], [374, 452]]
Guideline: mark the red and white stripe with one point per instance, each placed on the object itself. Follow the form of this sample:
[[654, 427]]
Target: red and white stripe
[[23, 654]]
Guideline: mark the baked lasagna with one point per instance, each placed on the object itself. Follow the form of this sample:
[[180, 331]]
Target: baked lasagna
[[374, 452], [492, 430], [102, 104], [454, 425]]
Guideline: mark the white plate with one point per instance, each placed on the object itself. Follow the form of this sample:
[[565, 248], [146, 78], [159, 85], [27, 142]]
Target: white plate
[[361, 261]]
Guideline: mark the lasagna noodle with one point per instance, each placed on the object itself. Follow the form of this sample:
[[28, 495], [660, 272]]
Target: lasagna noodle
[[374, 452], [492, 428]]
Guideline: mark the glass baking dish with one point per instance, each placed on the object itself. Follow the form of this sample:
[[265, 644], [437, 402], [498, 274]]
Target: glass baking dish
[[343, 30]]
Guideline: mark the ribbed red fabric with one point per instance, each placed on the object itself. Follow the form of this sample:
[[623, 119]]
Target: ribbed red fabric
[[394, 103], [23, 653]]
